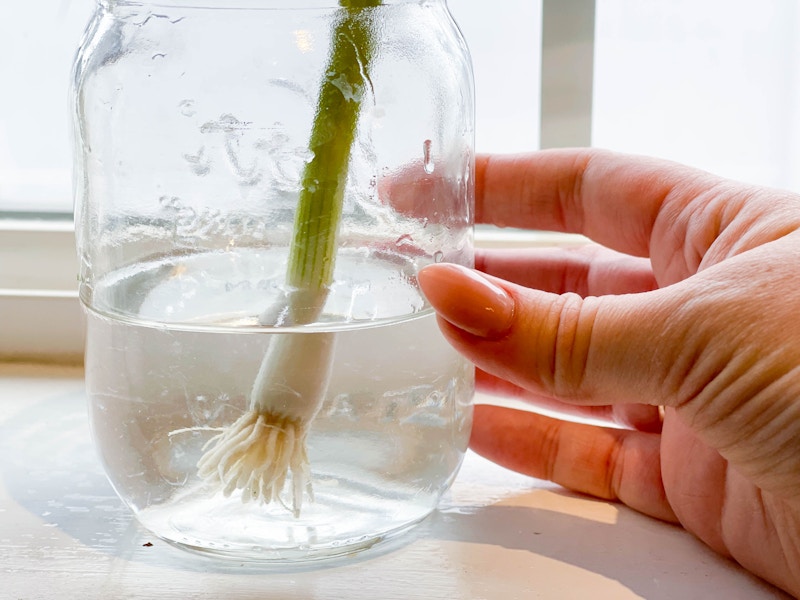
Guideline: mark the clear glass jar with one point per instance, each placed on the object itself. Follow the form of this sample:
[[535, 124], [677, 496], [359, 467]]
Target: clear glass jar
[[239, 408]]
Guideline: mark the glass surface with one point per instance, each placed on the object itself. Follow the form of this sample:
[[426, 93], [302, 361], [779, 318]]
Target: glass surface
[[239, 408], [39, 38], [386, 443]]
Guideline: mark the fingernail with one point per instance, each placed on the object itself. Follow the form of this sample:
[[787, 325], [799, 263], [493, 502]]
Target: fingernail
[[468, 299]]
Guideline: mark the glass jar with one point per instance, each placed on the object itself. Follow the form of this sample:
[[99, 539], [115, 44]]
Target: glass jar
[[257, 184]]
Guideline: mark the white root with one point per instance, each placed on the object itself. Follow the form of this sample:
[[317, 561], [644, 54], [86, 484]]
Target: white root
[[258, 452], [255, 455]]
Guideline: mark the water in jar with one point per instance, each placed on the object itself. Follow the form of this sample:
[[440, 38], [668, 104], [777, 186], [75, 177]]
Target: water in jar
[[173, 348]]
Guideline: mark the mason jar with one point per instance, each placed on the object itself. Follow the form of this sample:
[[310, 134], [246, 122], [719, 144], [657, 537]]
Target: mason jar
[[257, 184]]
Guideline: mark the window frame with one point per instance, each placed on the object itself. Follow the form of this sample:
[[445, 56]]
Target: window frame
[[39, 309]]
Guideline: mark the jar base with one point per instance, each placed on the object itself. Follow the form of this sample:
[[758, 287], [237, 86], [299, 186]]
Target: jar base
[[284, 558], [231, 530]]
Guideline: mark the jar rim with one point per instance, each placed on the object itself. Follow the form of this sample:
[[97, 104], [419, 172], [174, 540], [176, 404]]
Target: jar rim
[[245, 4]]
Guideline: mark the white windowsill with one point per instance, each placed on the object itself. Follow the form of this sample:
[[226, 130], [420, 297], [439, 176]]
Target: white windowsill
[[39, 310], [496, 535]]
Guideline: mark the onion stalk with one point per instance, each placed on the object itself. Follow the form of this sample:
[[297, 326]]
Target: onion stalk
[[258, 452]]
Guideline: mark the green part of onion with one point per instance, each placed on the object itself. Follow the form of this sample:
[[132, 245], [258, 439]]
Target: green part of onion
[[345, 84]]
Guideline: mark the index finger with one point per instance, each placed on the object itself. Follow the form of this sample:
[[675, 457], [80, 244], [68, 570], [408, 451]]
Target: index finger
[[613, 199]]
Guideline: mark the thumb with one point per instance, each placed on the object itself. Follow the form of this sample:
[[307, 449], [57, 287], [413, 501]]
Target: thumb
[[593, 350], [724, 357]]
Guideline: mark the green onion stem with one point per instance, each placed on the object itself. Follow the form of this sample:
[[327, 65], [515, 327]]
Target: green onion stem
[[344, 85]]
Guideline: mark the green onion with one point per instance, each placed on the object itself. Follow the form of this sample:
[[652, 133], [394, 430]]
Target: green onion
[[257, 452], [345, 83]]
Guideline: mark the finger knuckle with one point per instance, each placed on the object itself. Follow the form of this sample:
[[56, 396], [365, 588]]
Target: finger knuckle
[[566, 366]]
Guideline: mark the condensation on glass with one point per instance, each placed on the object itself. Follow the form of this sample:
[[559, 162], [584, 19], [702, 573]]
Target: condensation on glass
[[192, 127]]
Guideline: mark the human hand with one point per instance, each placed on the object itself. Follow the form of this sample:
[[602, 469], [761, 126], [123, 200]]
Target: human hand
[[693, 355]]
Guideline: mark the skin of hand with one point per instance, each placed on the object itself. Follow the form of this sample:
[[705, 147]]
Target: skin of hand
[[679, 326]]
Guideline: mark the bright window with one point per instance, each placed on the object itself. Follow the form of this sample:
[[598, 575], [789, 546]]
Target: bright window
[[37, 43], [712, 83]]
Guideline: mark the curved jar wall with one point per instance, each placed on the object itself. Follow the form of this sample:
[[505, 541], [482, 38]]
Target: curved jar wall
[[195, 129]]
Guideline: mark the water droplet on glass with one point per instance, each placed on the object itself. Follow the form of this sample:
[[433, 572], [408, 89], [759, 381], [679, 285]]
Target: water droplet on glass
[[170, 202], [187, 108], [209, 127], [304, 154], [427, 156], [438, 256], [403, 239], [199, 163]]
